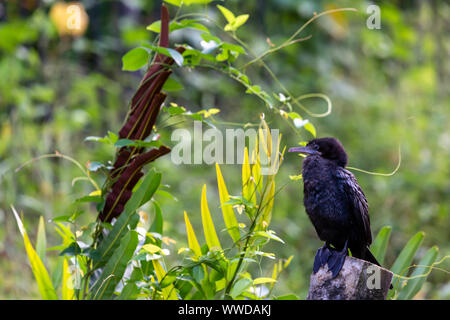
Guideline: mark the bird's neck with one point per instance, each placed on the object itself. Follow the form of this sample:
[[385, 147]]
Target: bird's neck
[[316, 166]]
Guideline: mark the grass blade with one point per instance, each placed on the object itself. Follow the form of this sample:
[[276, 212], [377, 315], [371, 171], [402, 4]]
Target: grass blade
[[192, 239], [267, 204], [45, 285], [169, 291], [419, 275], [380, 243], [67, 284], [41, 240], [405, 259], [208, 226], [247, 182], [227, 209]]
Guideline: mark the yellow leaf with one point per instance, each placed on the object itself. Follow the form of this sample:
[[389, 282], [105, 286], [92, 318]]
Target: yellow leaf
[[95, 193], [45, 285], [192, 239], [227, 209], [263, 280], [247, 182], [267, 203], [169, 291], [256, 171], [208, 226], [67, 284], [151, 248]]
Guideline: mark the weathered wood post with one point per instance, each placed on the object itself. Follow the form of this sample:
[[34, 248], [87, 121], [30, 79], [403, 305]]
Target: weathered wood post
[[357, 280]]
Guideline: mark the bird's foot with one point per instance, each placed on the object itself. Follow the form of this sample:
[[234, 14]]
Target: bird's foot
[[336, 260], [322, 256]]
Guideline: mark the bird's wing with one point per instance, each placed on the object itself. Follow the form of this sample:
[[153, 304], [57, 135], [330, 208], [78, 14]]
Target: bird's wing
[[360, 210]]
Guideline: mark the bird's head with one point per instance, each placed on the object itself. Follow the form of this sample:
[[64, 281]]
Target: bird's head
[[328, 148]]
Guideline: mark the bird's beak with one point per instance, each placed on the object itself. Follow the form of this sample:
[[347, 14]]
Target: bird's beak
[[304, 150]]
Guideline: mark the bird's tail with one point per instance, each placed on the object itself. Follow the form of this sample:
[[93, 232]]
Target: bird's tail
[[368, 256]]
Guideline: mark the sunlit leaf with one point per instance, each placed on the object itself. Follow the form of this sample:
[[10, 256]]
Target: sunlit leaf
[[174, 2], [169, 291], [240, 20], [310, 128], [41, 275], [229, 16], [263, 280], [227, 209], [267, 203], [208, 226], [192, 239], [67, 282], [247, 183], [41, 239]]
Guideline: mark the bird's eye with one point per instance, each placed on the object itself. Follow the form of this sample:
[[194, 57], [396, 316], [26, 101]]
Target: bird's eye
[[315, 147]]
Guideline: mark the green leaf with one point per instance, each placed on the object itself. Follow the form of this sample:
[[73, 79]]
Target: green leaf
[[155, 26], [134, 59], [209, 37], [405, 258], [269, 235], [380, 244], [127, 218], [208, 225], [177, 25], [72, 250], [174, 54], [41, 239], [240, 286], [155, 181], [419, 275], [189, 2], [172, 85], [123, 143], [41, 275], [157, 224], [174, 2], [287, 297], [227, 210], [114, 269], [129, 291], [233, 47]]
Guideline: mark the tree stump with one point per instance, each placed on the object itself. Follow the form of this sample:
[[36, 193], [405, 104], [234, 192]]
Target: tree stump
[[357, 280]]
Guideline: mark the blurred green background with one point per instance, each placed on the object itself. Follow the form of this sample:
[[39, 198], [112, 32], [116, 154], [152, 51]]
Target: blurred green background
[[388, 87]]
